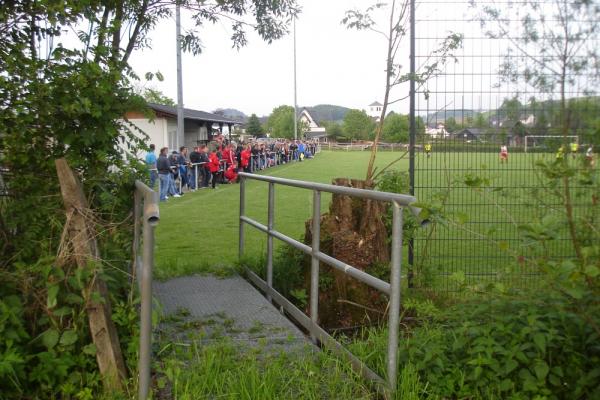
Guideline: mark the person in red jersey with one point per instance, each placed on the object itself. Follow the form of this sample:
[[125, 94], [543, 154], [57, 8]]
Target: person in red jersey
[[228, 155], [231, 173], [503, 154], [213, 166], [246, 154]]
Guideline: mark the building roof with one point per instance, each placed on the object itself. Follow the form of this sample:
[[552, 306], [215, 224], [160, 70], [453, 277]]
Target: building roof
[[188, 113], [315, 134], [311, 122], [473, 131], [375, 104]]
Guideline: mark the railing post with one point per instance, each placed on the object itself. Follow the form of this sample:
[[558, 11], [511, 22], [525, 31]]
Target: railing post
[[136, 232], [394, 310], [157, 182], [180, 182], [270, 238], [146, 305], [242, 214], [195, 177], [314, 266]]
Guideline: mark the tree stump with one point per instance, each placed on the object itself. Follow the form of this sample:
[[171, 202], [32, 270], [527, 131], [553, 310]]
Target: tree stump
[[352, 231]]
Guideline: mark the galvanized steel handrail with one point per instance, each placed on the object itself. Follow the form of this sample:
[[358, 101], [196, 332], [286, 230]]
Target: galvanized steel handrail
[[403, 200], [146, 214], [399, 201]]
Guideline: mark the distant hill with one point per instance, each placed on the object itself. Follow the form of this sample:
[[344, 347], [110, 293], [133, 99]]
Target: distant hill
[[232, 113], [327, 112]]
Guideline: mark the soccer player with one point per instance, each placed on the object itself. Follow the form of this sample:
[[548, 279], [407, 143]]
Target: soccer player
[[574, 148], [503, 154], [560, 154], [589, 157], [428, 149]]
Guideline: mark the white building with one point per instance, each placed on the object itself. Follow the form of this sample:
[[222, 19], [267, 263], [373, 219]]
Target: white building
[[374, 110], [314, 131], [199, 126], [438, 132]]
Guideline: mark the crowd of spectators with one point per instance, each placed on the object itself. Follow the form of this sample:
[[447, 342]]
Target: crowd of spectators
[[219, 162]]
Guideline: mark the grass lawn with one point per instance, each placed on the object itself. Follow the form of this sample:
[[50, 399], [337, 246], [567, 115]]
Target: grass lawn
[[199, 232]]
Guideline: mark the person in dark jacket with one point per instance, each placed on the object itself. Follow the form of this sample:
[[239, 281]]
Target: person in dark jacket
[[195, 170], [173, 191], [205, 170], [164, 173], [182, 165]]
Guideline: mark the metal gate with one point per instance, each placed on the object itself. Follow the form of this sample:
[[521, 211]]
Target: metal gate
[[502, 88]]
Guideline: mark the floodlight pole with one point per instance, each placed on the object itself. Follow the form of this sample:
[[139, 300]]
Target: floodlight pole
[[180, 120], [295, 93]]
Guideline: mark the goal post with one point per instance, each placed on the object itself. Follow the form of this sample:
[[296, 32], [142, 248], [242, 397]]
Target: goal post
[[528, 138]]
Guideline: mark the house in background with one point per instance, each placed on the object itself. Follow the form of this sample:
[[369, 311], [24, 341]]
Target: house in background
[[469, 134], [439, 131], [374, 110], [314, 131], [162, 130]]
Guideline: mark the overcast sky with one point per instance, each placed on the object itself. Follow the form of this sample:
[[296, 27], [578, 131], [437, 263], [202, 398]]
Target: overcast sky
[[335, 65]]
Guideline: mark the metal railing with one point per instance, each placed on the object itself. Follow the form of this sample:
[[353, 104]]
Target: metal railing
[[392, 289], [145, 216]]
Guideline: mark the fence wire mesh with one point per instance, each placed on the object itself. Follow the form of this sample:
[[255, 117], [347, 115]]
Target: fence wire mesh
[[508, 83]]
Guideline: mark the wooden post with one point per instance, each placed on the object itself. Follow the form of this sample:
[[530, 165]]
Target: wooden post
[[86, 255]]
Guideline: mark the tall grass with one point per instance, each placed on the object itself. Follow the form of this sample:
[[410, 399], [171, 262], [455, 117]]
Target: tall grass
[[225, 371]]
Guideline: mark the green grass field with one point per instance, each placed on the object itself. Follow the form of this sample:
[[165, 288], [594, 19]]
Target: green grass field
[[199, 232]]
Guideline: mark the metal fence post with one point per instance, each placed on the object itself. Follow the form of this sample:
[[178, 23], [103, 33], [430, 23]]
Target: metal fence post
[[136, 232], [270, 237], [394, 310], [150, 220], [412, 132], [314, 266], [242, 214], [157, 181], [195, 177]]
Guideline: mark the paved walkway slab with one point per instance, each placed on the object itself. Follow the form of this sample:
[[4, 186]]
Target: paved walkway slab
[[230, 307]]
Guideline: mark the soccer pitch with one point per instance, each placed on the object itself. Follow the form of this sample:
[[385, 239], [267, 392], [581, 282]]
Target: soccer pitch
[[199, 231], [486, 204]]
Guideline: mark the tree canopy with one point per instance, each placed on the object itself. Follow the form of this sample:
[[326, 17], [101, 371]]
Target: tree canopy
[[65, 86], [357, 125], [558, 43], [158, 97], [281, 122], [254, 127], [395, 128], [334, 129]]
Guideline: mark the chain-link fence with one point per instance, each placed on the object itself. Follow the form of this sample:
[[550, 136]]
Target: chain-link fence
[[526, 73]]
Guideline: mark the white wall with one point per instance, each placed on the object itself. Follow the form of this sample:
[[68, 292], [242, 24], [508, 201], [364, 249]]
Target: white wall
[[155, 130]]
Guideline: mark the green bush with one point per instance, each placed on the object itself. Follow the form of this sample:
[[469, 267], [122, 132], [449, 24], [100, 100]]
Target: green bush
[[509, 348]]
